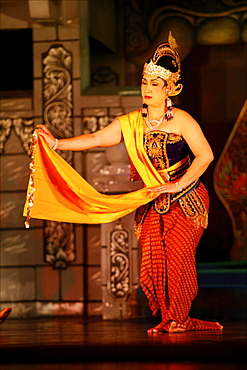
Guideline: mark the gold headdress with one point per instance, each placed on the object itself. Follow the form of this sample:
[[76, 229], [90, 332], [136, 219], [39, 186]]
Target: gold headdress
[[153, 69]]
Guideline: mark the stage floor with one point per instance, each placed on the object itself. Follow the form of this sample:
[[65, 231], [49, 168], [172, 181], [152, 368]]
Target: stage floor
[[71, 343]]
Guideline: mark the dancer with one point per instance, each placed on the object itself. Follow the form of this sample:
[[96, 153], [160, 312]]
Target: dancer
[[173, 204]]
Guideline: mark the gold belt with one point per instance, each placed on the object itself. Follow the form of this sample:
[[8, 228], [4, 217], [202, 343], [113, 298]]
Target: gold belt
[[166, 173]]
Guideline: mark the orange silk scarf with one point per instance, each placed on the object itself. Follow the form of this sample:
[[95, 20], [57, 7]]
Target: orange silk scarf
[[61, 194]]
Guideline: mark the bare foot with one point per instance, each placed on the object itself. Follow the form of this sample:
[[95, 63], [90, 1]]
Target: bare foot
[[176, 328], [4, 314], [156, 329]]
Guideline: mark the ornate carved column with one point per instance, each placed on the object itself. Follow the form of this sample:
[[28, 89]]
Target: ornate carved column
[[23, 129], [120, 268], [120, 250], [57, 113]]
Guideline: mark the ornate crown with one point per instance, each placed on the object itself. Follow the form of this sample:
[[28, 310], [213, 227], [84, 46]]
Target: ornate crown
[[152, 69]]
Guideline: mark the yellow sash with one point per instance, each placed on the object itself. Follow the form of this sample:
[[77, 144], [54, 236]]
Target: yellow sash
[[61, 194]]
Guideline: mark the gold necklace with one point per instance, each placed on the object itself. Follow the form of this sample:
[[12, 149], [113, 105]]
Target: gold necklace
[[157, 122]]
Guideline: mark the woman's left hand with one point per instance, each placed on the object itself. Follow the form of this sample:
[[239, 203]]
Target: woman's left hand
[[168, 187]]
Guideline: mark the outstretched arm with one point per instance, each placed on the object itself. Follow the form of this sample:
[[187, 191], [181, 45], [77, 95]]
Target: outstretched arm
[[108, 136]]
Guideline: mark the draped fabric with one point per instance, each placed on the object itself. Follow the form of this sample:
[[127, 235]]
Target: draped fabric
[[61, 194], [168, 270]]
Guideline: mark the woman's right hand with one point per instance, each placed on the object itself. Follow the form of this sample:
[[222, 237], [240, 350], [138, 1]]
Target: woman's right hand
[[46, 134]]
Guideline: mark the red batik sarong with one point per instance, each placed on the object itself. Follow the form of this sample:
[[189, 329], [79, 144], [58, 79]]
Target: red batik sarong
[[168, 269]]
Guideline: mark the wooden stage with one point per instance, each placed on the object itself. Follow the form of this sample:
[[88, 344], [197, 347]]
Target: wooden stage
[[72, 343]]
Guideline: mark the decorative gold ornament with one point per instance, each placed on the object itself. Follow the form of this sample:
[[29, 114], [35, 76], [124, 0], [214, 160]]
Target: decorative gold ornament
[[153, 69], [31, 188], [172, 41]]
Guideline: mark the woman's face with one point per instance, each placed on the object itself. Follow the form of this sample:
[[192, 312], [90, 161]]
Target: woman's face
[[153, 90]]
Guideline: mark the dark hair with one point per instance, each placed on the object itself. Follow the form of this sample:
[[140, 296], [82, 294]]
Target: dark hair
[[167, 62]]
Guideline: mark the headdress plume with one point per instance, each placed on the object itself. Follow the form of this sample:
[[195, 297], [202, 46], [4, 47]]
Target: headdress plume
[[172, 41]]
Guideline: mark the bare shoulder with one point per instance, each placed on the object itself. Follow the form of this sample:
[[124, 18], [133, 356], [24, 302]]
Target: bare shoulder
[[182, 115], [184, 121]]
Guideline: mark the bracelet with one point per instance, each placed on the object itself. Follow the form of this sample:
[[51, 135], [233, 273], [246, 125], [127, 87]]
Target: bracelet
[[55, 144], [178, 186]]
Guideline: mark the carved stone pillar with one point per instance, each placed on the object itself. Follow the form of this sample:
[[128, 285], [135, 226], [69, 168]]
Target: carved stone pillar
[[120, 268], [57, 113], [109, 173], [23, 129]]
